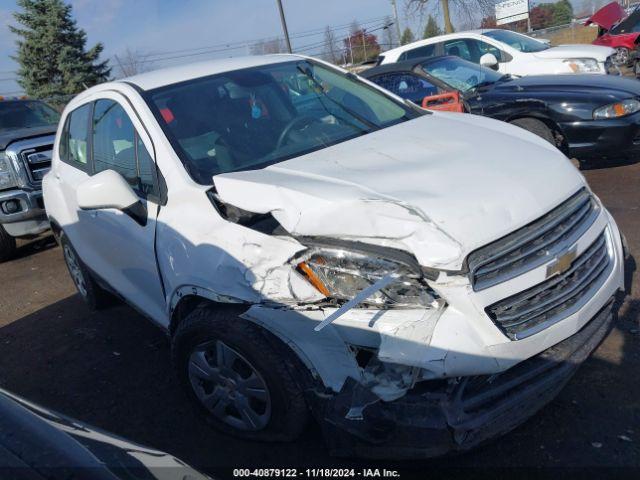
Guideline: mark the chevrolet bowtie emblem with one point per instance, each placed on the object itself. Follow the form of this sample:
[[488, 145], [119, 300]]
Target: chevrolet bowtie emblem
[[562, 263]]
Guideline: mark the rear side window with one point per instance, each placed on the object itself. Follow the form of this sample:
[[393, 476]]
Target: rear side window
[[426, 51], [117, 146], [458, 48], [407, 86], [73, 146]]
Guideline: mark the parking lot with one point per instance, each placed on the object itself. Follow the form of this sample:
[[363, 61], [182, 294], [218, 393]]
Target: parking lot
[[112, 369]]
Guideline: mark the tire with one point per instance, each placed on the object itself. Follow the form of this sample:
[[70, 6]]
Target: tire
[[537, 127], [93, 295], [236, 377], [622, 56], [7, 245]]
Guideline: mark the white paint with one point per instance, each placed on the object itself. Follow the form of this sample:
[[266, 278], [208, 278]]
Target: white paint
[[437, 187], [546, 62]]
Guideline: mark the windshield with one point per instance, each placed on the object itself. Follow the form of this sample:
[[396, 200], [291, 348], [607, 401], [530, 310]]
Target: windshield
[[461, 74], [515, 40], [255, 117], [631, 24], [26, 114]]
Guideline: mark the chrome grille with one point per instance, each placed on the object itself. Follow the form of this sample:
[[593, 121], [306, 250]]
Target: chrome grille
[[535, 309], [38, 162], [534, 244]]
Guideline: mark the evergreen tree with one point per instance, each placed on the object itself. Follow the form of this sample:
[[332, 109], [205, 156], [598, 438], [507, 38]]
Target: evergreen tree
[[431, 29], [562, 12], [407, 36], [52, 51]]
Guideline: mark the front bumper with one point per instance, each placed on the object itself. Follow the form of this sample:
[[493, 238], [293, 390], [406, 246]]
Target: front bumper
[[603, 138], [441, 416], [30, 219]]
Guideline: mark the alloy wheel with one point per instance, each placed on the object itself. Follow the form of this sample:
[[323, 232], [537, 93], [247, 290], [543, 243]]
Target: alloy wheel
[[229, 386], [622, 56]]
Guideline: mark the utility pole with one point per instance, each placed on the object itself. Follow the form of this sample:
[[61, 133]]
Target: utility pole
[[395, 15], [350, 49], [364, 46], [284, 26]]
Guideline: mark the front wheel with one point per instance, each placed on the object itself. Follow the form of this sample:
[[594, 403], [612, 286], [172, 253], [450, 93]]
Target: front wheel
[[622, 56], [537, 127], [7, 245], [236, 377]]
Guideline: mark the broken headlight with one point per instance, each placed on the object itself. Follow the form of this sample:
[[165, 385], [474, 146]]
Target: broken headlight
[[342, 274]]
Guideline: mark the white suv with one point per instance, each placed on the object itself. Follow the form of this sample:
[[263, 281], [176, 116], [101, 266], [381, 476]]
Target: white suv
[[510, 53], [416, 280]]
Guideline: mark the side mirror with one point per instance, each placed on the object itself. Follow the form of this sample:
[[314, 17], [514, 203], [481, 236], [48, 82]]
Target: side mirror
[[108, 189], [489, 60]]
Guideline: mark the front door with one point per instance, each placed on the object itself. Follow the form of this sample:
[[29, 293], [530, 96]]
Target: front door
[[124, 246]]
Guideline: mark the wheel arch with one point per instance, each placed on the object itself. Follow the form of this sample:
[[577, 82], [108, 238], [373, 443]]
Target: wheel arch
[[558, 133], [194, 297]]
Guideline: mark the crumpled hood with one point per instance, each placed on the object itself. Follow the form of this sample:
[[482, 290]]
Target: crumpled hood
[[576, 51], [438, 186]]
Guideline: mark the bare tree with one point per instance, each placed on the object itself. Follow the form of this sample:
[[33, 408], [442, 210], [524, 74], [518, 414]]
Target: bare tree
[[331, 51], [389, 34], [469, 10], [265, 47], [132, 62]]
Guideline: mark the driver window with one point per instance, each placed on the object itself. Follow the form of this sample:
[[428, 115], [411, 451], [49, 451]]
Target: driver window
[[458, 48], [487, 48], [117, 146]]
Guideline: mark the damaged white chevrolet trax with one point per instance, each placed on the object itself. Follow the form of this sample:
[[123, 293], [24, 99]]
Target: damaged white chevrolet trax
[[314, 247]]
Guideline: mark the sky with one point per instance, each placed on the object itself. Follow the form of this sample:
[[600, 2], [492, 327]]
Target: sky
[[158, 26], [172, 30]]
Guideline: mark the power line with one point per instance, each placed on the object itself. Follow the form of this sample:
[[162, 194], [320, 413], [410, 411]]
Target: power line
[[216, 48]]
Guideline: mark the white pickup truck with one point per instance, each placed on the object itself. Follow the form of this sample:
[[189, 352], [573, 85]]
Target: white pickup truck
[[312, 243], [510, 53]]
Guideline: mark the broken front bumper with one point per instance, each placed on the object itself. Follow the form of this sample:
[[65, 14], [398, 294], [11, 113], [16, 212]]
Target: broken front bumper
[[437, 417]]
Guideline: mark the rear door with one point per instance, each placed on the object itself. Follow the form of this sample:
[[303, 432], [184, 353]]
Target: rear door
[[123, 248], [67, 174]]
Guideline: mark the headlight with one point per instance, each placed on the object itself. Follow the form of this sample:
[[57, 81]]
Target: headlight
[[583, 65], [342, 274], [615, 110], [7, 179]]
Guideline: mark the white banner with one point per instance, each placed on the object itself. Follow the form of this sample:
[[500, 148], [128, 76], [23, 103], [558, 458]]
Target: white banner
[[512, 11]]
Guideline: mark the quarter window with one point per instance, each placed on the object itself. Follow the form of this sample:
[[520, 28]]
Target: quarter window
[[74, 140], [117, 146]]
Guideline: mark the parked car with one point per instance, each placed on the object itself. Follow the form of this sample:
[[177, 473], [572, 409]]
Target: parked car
[[509, 52], [27, 129], [618, 30], [590, 118], [420, 281], [37, 443]]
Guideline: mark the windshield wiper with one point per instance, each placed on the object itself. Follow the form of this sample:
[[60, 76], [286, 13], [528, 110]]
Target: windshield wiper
[[319, 86]]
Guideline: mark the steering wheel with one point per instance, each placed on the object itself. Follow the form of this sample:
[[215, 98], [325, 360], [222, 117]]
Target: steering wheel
[[472, 80], [302, 121]]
